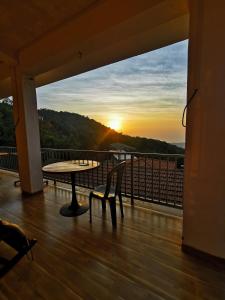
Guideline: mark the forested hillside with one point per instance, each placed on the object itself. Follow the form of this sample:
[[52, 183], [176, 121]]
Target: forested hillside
[[71, 130]]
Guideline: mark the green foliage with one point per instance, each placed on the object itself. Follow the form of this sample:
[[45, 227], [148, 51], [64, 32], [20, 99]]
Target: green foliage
[[7, 130], [70, 130]]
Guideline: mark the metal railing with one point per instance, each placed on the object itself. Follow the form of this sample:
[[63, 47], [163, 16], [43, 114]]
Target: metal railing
[[151, 177]]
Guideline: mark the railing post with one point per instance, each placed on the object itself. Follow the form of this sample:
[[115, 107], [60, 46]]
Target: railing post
[[132, 179], [143, 181]]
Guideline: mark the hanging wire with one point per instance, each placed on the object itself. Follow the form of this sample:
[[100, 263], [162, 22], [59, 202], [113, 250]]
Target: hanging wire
[[186, 106]]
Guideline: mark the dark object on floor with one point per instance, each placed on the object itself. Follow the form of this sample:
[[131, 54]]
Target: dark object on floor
[[110, 192], [13, 236]]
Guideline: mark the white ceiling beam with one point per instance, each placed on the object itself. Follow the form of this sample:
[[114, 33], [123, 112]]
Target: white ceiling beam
[[161, 36], [127, 17], [111, 31]]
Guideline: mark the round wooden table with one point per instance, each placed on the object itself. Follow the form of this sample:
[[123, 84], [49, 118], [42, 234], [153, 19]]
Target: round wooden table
[[72, 166]]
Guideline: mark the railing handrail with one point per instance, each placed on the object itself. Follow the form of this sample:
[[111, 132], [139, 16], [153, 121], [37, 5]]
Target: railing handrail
[[107, 151], [151, 177]]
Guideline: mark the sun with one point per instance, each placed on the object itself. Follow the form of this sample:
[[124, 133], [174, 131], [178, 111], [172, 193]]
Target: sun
[[115, 123]]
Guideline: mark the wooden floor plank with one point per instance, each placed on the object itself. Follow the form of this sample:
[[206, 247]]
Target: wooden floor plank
[[74, 259]]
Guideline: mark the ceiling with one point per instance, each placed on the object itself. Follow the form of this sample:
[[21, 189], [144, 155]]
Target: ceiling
[[53, 40], [23, 22]]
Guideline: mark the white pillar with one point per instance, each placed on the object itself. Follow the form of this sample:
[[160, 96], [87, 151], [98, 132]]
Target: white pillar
[[27, 131], [204, 185]]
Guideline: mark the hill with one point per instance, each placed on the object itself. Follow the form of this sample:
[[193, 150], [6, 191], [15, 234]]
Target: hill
[[181, 145], [71, 130]]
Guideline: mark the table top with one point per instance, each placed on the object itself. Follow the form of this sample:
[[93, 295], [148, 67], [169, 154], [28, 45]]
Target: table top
[[71, 166]]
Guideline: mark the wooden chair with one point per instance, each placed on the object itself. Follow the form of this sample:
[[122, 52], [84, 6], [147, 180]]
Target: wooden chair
[[109, 192]]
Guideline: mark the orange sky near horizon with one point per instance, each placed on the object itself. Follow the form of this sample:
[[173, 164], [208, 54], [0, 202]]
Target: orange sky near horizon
[[163, 127], [140, 96]]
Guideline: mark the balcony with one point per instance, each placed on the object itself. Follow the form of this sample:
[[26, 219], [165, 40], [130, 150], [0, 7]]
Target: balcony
[[152, 178], [76, 260], [143, 258]]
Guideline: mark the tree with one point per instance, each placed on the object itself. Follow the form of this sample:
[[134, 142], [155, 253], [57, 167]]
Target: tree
[[71, 130]]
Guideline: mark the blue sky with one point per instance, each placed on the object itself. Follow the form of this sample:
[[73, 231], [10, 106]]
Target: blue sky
[[147, 92]]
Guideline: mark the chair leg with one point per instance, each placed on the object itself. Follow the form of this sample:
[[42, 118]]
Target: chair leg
[[112, 204], [90, 207], [121, 205], [103, 205]]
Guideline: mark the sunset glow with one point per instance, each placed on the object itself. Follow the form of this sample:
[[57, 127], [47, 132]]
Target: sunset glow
[[115, 123], [140, 96]]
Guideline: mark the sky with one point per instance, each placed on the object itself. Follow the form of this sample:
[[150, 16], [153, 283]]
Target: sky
[[140, 96]]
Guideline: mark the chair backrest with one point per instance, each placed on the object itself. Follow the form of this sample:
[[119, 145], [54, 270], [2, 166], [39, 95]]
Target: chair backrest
[[118, 170]]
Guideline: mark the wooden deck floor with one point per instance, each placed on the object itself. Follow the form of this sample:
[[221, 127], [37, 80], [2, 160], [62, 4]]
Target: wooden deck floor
[[142, 259]]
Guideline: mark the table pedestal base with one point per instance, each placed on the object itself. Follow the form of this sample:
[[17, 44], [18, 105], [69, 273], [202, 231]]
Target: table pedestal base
[[68, 211]]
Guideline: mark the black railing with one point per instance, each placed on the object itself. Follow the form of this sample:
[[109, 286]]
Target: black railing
[[151, 177]]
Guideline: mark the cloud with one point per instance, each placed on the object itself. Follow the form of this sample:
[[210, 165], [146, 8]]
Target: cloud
[[153, 82]]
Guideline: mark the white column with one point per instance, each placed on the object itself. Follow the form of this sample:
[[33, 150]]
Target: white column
[[204, 186], [27, 131]]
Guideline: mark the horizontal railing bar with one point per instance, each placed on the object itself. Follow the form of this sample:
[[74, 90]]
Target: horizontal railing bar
[[118, 152], [150, 177]]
